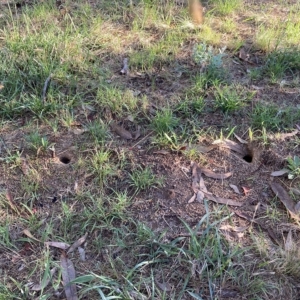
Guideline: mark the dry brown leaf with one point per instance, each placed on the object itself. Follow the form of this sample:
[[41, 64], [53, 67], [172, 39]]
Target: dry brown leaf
[[202, 184], [233, 228], [240, 139], [68, 274], [78, 243], [81, 253], [78, 131], [279, 173], [192, 199], [42, 285], [284, 197], [28, 234], [283, 136], [214, 175], [222, 200], [122, 132], [165, 286], [60, 245], [235, 188], [200, 196], [295, 191], [289, 244], [230, 145]]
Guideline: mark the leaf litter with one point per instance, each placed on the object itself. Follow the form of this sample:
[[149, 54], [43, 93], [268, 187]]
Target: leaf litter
[[121, 131], [279, 173], [60, 245], [235, 188], [200, 189], [284, 197], [68, 274], [230, 145], [78, 243]]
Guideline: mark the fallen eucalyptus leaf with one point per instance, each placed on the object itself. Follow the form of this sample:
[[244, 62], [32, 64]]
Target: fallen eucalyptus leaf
[[60, 245], [283, 136], [230, 145], [284, 197], [192, 199], [240, 139], [289, 244], [81, 253], [214, 175], [78, 243], [122, 132], [68, 274], [222, 200], [165, 287], [202, 184], [78, 131], [279, 173], [28, 234], [295, 191], [235, 188], [200, 196]]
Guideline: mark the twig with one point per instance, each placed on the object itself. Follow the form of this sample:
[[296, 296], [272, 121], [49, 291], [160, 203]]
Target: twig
[[45, 89], [142, 139]]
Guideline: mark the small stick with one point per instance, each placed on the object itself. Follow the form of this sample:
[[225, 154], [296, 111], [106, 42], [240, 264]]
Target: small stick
[[45, 89], [142, 139]]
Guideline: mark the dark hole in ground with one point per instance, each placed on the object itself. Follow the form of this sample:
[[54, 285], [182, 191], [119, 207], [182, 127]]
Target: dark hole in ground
[[248, 157], [65, 159]]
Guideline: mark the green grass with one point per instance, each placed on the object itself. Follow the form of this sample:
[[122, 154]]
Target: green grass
[[186, 87], [229, 99], [224, 7], [143, 179], [272, 118]]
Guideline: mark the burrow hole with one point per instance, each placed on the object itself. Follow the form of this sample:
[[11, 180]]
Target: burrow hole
[[65, 160], [248, 157]]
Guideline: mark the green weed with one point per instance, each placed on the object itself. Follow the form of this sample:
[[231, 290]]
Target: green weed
[[228, 99], [164, 121], [143, 179]]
